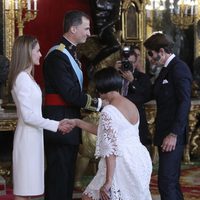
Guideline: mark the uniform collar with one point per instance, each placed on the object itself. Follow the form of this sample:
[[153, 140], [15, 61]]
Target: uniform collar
[[69, 45]]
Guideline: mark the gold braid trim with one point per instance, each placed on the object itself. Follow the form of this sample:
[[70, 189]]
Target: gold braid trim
[[89, 100], [89, 103]]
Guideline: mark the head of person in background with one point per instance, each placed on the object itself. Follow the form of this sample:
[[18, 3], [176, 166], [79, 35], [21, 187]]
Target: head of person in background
[[138, 63], [126, 67], [132, 58], [76, 26], [25, 55], [159, 47]]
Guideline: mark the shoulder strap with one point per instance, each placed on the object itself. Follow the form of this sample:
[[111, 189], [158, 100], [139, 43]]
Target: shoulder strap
[[76, 68]]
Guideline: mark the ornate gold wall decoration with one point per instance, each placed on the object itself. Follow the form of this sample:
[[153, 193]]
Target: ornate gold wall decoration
[[9, 27], [197, 33], [8, 125], [8, 120]]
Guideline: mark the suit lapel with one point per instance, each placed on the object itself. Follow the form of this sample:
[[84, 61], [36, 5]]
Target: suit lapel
[[159, 80], [162, 76]]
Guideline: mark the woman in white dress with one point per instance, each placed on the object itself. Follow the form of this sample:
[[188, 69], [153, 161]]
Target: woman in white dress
[[28, 150], [125, 165]]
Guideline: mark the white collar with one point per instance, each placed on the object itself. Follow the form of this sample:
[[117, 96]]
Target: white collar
[[169, 60]]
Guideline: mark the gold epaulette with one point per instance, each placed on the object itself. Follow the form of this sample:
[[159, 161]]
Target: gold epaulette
[[61, 47]]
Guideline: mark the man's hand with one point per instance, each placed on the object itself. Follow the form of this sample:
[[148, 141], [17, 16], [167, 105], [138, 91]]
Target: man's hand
[[128, 75], [169, 143], [66, 125]]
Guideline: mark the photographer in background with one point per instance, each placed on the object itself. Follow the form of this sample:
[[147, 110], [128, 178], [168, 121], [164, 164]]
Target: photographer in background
[[137, 86], [138, 63]]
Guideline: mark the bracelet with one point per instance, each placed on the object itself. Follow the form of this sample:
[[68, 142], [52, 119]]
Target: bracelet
[[173, 135], [104, 188]]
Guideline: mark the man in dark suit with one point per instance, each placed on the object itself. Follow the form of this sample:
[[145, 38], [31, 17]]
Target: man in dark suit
[[172, 92], [138, 89], [64, 96]]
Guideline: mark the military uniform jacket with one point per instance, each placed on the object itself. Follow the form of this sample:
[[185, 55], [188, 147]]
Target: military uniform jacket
[[60, 78]]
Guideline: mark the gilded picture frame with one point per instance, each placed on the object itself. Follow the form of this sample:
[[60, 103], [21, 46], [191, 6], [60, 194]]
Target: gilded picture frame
[[132, 21]]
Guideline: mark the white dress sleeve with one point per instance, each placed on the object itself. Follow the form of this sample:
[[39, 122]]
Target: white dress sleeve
[[107, 140], [22, 95]]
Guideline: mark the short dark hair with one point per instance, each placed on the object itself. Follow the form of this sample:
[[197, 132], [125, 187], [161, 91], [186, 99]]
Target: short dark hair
[[108, 79], [157, 41], [132, 50], [133, 47], [73, 18]]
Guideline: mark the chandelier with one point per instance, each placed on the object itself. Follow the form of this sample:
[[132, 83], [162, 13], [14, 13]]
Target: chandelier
[[23, 11], [157, 5], [182, 12]]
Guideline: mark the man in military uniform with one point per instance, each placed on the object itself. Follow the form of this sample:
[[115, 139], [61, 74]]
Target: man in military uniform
[[64, 97]]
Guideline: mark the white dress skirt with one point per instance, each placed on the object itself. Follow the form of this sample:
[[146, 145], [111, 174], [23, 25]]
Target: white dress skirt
[[28, 148], [117, 136]]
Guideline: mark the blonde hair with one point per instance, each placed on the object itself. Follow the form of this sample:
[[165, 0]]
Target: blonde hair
[[21, 58]]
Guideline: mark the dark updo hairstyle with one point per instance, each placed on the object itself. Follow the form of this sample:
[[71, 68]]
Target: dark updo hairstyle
[[108, 79]]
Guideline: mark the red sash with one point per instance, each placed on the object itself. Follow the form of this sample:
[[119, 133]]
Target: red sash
[[55, 100]]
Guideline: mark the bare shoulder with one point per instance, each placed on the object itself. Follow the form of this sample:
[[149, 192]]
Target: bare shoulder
[[128, 109], [129, 104], [131, 111]]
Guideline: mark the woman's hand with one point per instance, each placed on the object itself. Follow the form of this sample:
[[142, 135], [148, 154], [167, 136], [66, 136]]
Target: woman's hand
[[105, 191]]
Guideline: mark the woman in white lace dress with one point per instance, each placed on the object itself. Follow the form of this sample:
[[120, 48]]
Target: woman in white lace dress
[[125, 165]]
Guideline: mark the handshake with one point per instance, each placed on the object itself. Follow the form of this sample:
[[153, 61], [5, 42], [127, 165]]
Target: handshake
[[66, 125]]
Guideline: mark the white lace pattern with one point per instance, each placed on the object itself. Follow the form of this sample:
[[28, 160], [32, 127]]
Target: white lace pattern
[[107, 141]]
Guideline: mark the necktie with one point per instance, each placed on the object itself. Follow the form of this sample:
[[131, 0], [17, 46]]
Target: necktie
[[125, 87]]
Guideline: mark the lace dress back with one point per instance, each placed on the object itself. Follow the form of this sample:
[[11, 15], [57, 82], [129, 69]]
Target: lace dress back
[[117, 136]]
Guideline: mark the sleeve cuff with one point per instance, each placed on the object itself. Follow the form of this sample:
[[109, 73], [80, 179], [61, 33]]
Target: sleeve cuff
[[99, 104]]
